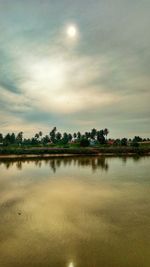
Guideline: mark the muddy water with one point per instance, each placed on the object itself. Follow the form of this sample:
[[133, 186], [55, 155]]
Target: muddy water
[[75, 212]]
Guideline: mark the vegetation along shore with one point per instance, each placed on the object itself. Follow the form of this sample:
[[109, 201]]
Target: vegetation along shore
[[94, 142]]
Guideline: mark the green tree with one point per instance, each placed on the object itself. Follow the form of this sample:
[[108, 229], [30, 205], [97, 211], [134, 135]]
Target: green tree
[[84, 142], [40, 133], [1, 138], [117, 142], [58, 136], [27, 141], [12, 138], [78, 135], [135, 144], [93, 133], [100, 137], [7, 139], [87, 135], [74, 135], [34, 141], [46, 139], [69, 137], [53, 135], [106, 132], [65, 138], [37, 136], [137, 139], [124, 141], [19, 138]]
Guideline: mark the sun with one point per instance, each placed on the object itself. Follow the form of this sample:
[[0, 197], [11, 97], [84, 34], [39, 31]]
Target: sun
[[72, 31]]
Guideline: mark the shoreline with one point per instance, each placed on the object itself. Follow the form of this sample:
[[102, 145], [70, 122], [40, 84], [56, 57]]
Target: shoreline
[[49, 152], [46, 156]]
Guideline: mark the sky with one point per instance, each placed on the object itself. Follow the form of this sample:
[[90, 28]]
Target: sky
[[76, 65]]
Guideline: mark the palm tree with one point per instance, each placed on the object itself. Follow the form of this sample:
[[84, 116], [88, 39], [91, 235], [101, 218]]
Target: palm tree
[[100, 137], [93, 133], [19, 137], [106, 132], [37, 136], [65, 138], [69, 137], [40, 133], [87, 135], [74, 135], [58, 136], [78, 135], [53, 134]]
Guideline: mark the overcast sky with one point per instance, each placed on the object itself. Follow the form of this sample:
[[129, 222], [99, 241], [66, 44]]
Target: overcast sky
[[98, 78]]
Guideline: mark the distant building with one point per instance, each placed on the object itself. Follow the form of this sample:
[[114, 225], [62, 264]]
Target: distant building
[[92, 142], [110, 142]]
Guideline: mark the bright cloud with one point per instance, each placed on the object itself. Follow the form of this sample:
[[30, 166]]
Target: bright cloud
[[64, 84]]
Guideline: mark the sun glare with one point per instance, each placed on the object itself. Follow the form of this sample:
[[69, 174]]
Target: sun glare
[[72, 31], [71, 264], [48, 74]]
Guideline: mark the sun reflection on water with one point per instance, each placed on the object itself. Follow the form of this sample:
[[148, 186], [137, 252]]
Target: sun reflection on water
[[71, 264]]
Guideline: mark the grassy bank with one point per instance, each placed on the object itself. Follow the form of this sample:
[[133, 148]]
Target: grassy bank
[[41, 151]]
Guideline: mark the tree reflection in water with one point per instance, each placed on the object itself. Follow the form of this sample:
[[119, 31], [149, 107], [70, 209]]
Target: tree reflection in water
[[135, 158], [55, 163]]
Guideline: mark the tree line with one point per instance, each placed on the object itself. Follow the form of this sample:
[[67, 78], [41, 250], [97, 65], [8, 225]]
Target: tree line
[[55, 137]]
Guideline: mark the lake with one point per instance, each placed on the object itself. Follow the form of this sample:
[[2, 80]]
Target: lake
[[75, 212]]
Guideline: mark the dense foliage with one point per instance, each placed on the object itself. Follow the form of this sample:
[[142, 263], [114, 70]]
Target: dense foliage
[[55, 138]]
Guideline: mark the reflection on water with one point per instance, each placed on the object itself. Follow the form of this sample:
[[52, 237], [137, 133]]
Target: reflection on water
[[55, 163], [60, 212]]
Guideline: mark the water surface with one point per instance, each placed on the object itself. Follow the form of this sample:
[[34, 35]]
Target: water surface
[[75, 212]]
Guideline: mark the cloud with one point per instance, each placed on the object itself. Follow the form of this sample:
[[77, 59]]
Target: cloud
[[103, 78], [63, 83]]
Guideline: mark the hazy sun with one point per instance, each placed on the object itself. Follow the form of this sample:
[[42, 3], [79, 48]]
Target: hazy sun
[[72, 31]]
